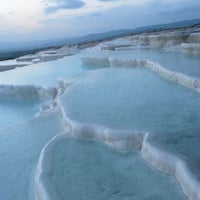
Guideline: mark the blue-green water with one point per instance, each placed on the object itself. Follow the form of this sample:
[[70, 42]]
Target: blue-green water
[[176, 61], [46, 73], [89, 170], [13, 111], [132, 99], [139, 99], [19, 152], [136, 99]]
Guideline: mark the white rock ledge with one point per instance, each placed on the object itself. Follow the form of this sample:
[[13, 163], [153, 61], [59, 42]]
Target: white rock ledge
[[165, 39], [180, 78], [33, 91], [173, 166], [123, 140], [42, 188], [193, 48], [27, 92], [137, 141]]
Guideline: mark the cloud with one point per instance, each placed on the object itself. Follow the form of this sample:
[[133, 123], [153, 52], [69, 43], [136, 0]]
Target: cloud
[[66, 18], [175, 2], [95, 14], [64, 5], [125, 2], [108, 0], [181, 9]]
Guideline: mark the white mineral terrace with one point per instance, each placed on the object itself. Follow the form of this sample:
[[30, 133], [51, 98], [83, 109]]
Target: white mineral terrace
[[187, 42], [43, 56], [27, 91], [122, 140], [48, 55], [193, 48], [180, 78], [126, 140]]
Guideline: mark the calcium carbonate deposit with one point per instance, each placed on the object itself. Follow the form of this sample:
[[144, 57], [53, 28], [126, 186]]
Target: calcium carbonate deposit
[[120, 120]]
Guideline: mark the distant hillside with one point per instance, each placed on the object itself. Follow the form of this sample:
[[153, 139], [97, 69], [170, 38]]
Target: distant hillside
[[123, 32], [13, 50]]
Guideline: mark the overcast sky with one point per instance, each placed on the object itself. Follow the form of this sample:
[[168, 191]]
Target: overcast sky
[[22, 20]]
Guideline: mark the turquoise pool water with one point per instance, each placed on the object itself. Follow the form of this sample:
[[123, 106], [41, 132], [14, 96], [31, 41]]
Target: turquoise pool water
[[176, 61], [46, 73], [125, 98], [82, 169], [19, 152], [13, 111], [132, 99]]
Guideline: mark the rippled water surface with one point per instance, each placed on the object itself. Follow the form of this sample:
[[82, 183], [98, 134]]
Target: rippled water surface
[[46, 73], [89, 170], [176, 61], [124, 98], [13, 111], [133, 99], [19, 152]]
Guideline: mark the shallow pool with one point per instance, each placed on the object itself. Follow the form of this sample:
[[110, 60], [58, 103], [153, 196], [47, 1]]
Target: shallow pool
[[46, 73], [132, 99], [173, 60], [13, 111], [19, 152], [82, 169]]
